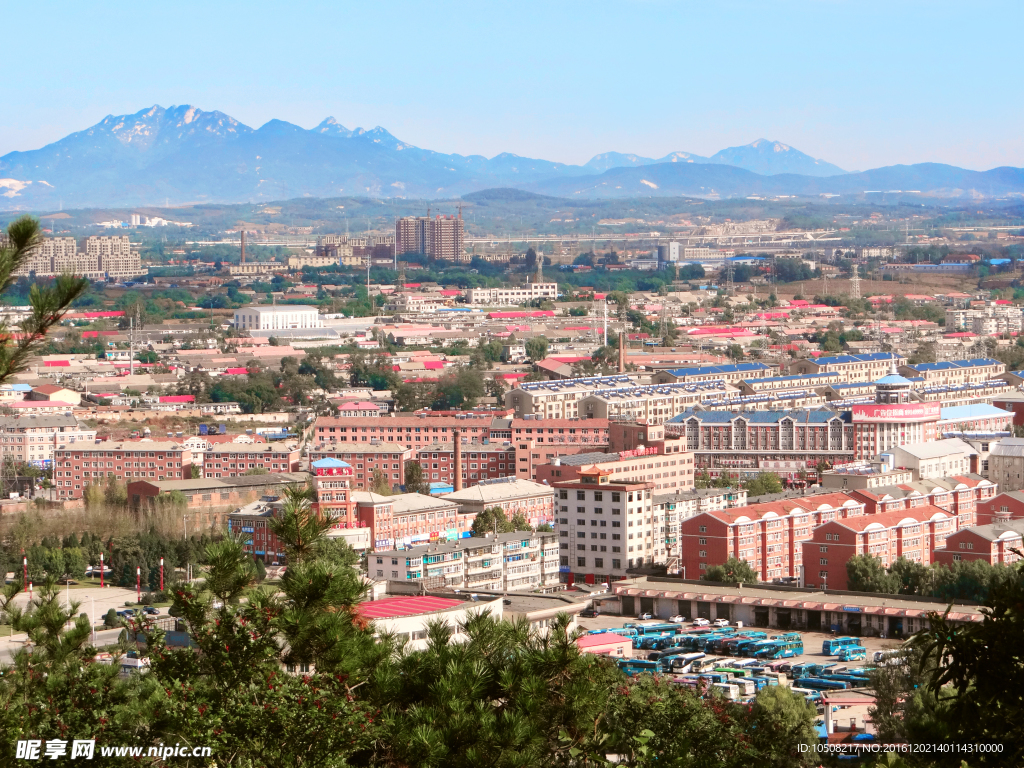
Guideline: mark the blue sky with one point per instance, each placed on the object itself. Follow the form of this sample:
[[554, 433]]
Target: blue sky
[[859, 84]]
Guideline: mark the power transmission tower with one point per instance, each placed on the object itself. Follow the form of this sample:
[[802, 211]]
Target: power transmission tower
[[855, 284]]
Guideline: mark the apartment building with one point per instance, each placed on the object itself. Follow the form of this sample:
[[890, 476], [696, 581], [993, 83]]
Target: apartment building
[[787, 442], [852, 368], [410, 519], [669, 471], [768, 535], [512, 297], [480, 461], [235, 459], [1000, 508], [1006, 463], [76, 466], [539, 441], [991, 320], [535, 501], [955, 372], [729, 374], [275, 318], [105, 257], [680, 505], [408, 430], [605, 528], [251, 268], [389, 458], [655, 403], [911, 534], [307, 260], [965, 497], [441, 237], [995, 543], [332, 478], [32, 439], [560, 399], [506, 561]]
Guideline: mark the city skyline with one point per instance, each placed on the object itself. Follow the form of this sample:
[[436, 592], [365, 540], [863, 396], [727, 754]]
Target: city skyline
[[574, 81]]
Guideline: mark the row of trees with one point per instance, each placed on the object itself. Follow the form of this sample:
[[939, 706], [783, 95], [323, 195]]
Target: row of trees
[[963, 580]]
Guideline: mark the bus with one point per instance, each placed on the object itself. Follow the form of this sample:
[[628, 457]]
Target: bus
[[832, 646], [734, 671], [822, 684], [781, 649], [855, 681], [638, 666], [680, 662], [654, 628], [853, 653], [730, 691]]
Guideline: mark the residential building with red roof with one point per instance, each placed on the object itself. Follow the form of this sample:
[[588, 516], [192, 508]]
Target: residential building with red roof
[[996, 543], [912, 534], [767, 535]]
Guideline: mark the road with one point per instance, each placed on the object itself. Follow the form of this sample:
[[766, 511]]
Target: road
[[94, 602]]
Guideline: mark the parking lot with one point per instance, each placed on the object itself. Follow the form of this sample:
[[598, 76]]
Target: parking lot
[[812, 653]]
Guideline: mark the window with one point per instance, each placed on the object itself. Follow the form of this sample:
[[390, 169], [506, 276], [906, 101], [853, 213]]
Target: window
[[703, 529], [702, 541], [581, 562], [581, 495], [599, 562], [617, 564]]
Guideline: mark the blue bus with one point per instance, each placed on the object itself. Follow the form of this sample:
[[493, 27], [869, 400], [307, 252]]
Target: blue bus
[[780, 649], [833, 646], [822, 684], [638, 666]]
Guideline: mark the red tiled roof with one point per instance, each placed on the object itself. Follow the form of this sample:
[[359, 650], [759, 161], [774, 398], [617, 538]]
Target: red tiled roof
[[890, 519], [393, 607]]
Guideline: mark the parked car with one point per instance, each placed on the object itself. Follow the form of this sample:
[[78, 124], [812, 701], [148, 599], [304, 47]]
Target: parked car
[[645, 617], [701, 623], [589, 613], [677, 619], [151, 610], [721, 623]]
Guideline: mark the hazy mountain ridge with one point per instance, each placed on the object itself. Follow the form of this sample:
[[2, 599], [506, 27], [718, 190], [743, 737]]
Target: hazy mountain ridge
[[184, 154]]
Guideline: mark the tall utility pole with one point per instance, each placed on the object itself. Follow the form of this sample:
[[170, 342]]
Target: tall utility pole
[[855, 284], [131, 346], [605, 303]]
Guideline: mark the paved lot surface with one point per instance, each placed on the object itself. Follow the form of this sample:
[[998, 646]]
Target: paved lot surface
[[812, 653]]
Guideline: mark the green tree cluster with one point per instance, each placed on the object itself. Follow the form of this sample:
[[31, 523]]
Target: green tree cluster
[[733, 569]]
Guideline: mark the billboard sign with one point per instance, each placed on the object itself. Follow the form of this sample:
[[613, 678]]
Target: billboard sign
[[897, 413]]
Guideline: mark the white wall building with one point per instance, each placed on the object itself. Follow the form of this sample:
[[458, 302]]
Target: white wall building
[[512, 297], [276, 318]]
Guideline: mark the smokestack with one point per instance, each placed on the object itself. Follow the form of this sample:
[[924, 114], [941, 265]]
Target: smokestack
[[622, 351], [243, 246], [458, 460]]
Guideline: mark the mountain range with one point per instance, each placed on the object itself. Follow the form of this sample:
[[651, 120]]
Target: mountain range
[[183, 154]]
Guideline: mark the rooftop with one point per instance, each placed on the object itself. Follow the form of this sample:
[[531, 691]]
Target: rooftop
[[499, 489], [394, 607]]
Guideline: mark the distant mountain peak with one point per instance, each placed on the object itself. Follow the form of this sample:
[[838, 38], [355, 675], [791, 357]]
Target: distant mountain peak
[[332, 127], [770, 158]]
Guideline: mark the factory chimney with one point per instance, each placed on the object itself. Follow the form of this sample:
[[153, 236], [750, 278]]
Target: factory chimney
[[458, 459], [622, 351], [243, 246]]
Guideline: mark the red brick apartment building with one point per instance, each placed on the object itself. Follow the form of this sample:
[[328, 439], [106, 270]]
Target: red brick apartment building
[[389, 458], [768, 536], [480, 461], [234, 459], [994, 543], [912, 534], [408, 430], [91, 464], [1001, 508], [968, 498]]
